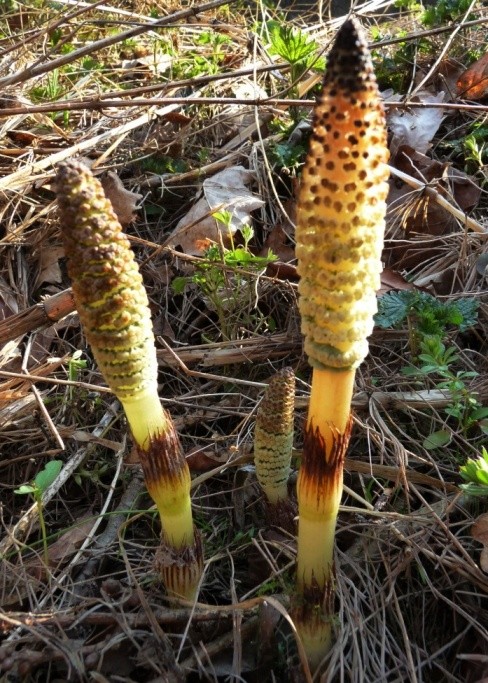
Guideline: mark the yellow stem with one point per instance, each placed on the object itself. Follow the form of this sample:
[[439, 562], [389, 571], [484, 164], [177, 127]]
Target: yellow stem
[[320, 480], [330, 402], [174, 506], [145, 415], [315, 558], [160, 453]]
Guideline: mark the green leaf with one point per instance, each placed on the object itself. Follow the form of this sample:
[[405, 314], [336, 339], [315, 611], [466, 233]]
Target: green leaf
[[290, 44], [392, 309], [432, 316], [480, 413], [474, 490], [224, 217], [476, 470], [46, 477], [410, 371], [437, 439], [178, 284], [24, 489]]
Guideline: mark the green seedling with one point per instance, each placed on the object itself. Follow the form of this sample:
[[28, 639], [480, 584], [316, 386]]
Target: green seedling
[[475, 474], [287, 155], [428, 320], [37, 488], [296, 48], [424, 314], [51, 91], [435, 360], [223, 276], [75, 365], [475, 152]]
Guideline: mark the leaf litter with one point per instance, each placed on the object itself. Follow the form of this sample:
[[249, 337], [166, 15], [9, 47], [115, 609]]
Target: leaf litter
[[411, 577]]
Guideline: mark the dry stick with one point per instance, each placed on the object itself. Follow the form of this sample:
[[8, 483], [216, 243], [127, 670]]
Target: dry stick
[[72, 618], [118, 95], [32, 71], [46, 313], [99, 104], [52, 380], [18, 531], [106, 8]]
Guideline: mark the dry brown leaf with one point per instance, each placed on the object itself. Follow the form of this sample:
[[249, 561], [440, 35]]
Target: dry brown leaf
[[276, 241], [23, 138], [124, 201], [49, 270], [473, 83], [426, 216], [479, 531], [282, 271], [69, 542], [392, 280], [61, 550], [416, 127], [203, 460], [225, 191]]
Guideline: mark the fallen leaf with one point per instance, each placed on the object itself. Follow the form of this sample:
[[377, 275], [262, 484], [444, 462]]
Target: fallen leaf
[[473, 83], [203, 460], [282, 271], [124, 201], [392, 280], [23, 138], [69, 542], [445, 77], [49, 270], [479, 531], [416, 127], [225, 191], [61, 550], [276, 241]]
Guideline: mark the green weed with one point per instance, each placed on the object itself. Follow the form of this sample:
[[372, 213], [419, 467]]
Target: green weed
[[444, 11], [424, 314], [296, 48], [475, 474], [41, 483], [228, 290], [428, 320]]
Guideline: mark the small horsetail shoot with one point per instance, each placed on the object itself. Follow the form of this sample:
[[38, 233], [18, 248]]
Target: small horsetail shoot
[[273, 446]]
